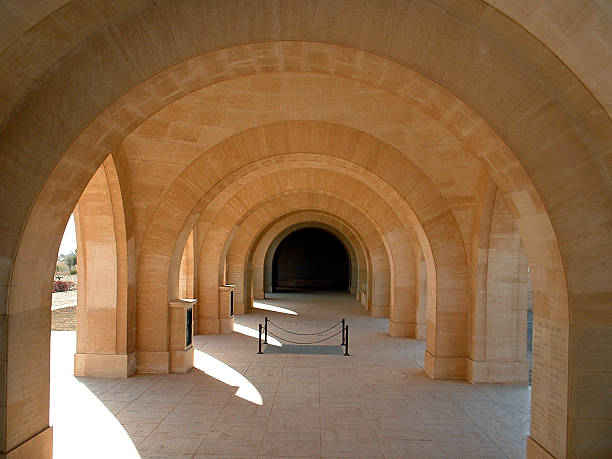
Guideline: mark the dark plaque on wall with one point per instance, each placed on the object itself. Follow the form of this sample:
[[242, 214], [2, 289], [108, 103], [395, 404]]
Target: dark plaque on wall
[[188, 334]]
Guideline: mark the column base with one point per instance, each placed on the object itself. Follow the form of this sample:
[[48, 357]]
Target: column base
[[105, 365], [240, 308], [402, 329], [535, 451], [500, 372], [421, 332], [216, 326], [363, 299], [181, 361], [379, 311], [226, 326], [258, 294], [39, 446], [153, 362], [444, 367], [208, 326]]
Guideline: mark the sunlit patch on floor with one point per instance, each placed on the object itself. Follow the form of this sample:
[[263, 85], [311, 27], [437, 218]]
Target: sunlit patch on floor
[[270, 307], [255, 334], [226, 374], [99, 433]]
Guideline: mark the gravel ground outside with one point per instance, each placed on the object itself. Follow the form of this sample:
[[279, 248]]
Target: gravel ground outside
[[63, 299], [64, 319], [63, 307]]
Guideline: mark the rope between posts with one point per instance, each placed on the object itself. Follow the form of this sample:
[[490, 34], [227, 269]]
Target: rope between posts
[[313, 342], [306, 334]]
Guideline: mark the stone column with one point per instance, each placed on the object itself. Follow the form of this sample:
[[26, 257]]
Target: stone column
[[187, 270], [24, 380], [226, 313], [381, 286], [402, 320], [421, 331], [102, 348], [242, 300], [258, 283], [181, 335], [498, 351]]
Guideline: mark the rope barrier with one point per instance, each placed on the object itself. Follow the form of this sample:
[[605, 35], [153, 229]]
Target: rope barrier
[[344, 330], [313, 342], [305, 334]]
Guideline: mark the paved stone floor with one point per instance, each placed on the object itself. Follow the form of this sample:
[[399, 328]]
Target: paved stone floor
[[376, 403]]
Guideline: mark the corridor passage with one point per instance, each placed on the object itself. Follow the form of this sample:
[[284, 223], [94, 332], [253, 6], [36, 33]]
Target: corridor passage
[[376, 403]]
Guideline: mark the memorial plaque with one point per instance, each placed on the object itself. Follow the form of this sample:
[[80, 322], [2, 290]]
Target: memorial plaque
[[549, 381], [189, 328]]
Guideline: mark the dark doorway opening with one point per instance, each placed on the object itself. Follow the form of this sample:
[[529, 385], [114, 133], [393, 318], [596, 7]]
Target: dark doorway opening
[[310, 259]]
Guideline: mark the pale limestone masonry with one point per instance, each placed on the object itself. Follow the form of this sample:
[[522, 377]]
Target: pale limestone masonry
[[449, 144]]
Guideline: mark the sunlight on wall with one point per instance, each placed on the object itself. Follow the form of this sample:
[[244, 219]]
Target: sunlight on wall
[[269, 307], [226, 374]]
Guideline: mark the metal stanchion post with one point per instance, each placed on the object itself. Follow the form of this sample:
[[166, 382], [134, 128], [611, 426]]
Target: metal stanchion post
[[266, 331], [343, 325], [259, 351], [346, 344]]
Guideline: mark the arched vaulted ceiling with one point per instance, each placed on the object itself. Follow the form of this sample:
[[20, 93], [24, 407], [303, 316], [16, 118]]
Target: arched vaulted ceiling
[[254, 254], [525, 93], [159, 149], [77, 78], [47, 31]]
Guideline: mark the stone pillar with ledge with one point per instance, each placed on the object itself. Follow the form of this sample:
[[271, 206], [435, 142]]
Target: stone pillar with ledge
[[402, 329], [226, 309], [258, 282], [379, 297], [498, 331], [103, 323], [445, 354], [249, 305], [442, 367], [39, 446], [377, 310], [242, 300], [402, 318], [421, 314], [105, 365], [181, 335]]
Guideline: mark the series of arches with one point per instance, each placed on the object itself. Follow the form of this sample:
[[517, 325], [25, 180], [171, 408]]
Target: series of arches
[[264, 282], [425, 136]]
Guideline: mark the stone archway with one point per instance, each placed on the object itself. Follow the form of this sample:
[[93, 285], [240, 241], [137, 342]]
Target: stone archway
[[269, 259], [251, 242], [262, 200], [562, 152], [311, 259], [247, 255], [422, 188]]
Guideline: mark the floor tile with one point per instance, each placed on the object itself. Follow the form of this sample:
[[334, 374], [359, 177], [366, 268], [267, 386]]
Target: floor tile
[[377, 401]]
